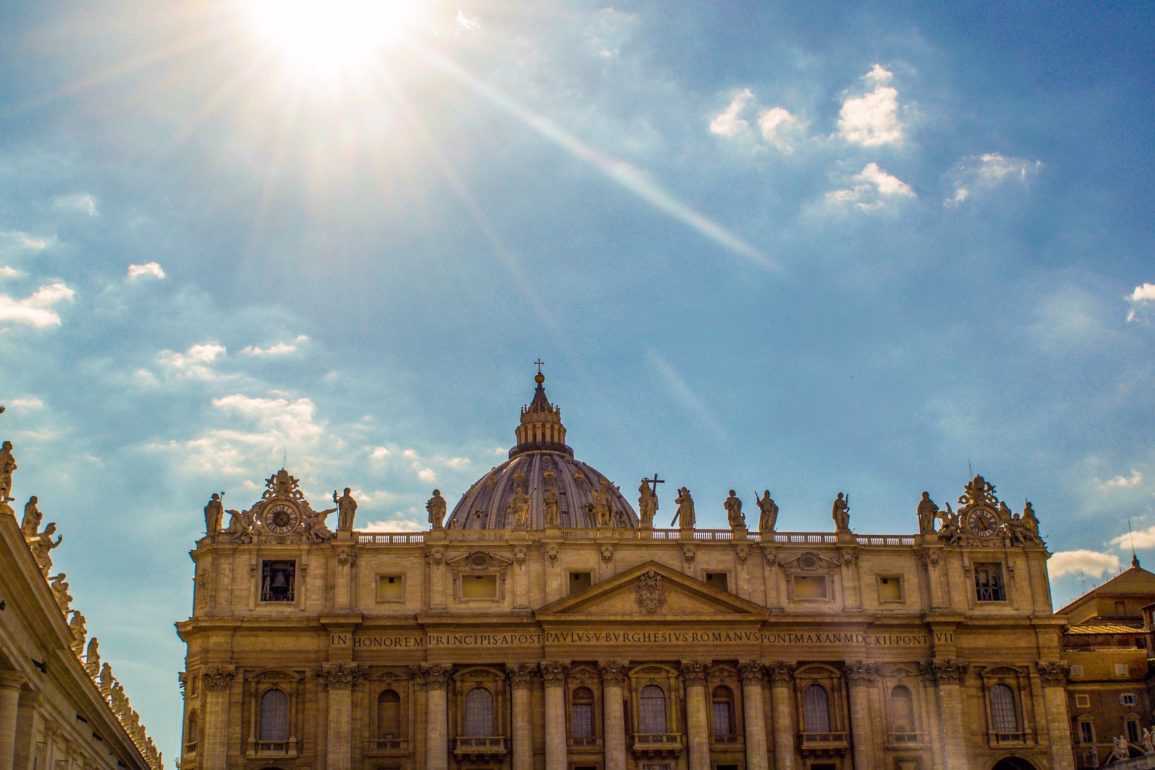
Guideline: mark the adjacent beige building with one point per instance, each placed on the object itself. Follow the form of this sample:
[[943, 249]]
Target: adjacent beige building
[[546, 623]]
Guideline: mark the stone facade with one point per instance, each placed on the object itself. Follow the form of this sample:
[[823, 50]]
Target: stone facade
[[545, 625], [60, 708]]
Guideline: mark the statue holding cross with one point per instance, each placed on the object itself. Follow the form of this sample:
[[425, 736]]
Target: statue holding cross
[[648, 501]]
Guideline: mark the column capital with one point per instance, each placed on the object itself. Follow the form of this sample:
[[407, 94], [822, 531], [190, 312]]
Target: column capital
[[694, 672], [11, 679], [521, 675], [554, 671], [781, 673], [860, 673], [613, 672], [339, 675], [945, 671], [218, 677], [432, 676], [752, 671], [1053, 672]]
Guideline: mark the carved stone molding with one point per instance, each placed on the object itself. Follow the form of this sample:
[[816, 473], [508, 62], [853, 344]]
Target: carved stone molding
[[340, 675], [860, 672], [849, 556], [346, 556], [944, 671], [551, 552], [553, 671], [751, 671], [521, 675], [928, 556], [218, 677], [607, 553], [781, 673], [435, 556], [688, 554], [742, 552], [436, 675], [520, 555], [694, 672], [613, 672], [1053, 672], [651, 594]]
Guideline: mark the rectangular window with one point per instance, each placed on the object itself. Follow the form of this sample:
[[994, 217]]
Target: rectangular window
[[1077, 669], [890, 588], [479, 586], [1132, 730], [277, 580], [1083, 701], [1086, 732], [723, 719], [989, 583], [579, 581], [390, 588], [1129, 699], [582, 716], [809, 587], [1121, 669], [717, 580]]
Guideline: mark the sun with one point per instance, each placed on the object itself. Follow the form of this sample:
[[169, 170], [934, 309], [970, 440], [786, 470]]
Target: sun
[[326, 38]]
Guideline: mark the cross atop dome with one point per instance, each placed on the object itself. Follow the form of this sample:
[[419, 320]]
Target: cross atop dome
[[541, 428]]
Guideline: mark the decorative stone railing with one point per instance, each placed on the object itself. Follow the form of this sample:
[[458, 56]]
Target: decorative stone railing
[[697, 535]]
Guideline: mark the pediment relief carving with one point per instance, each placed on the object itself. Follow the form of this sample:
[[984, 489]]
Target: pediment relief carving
[[276, 675], [479, 562], [808, 562]]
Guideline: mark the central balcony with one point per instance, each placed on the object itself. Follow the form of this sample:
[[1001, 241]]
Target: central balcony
[[658, 744], [480, 747]]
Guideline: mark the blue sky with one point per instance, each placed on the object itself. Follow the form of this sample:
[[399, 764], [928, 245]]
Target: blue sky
[[784, 245]]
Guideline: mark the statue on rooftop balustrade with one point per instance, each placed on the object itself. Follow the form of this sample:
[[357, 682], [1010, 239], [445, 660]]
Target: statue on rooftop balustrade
[[59, 586], [927, 513], [768, 512], [347, 509], [7, 468], [79, 631], [92, 658], [734, 516], [42, 544], [30, 524], [436, 508], [647, 504], [685, 517], [552, 506], [214, 512], [840, 512]]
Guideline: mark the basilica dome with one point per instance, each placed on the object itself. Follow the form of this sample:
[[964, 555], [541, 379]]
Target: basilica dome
[[541, 484]]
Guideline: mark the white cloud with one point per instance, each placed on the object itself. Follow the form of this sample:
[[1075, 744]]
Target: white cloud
[[195, 363], [25, 403], [36, 309], [1090, 563], [399, 524], [780, 128], [729, 121], [683, 394], [18, 241], [278, 349], [426, 474], [1143, 294], [464, 24], [457, 462], [378, 454], [981, 173], [292, 419], [147, 270], [610, 31], [82, 203], [871, 119], [9, 272], [871, 189], [1140, 538], [1122, 482]]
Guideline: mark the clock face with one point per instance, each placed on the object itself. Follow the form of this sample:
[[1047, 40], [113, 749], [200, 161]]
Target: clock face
[[982, 523], [280, 519]]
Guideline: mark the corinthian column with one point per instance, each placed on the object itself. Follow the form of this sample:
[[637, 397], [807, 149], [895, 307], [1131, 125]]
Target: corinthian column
[[697, 733], [781, 676], [755, 715], [437, 721], [521, 678], [553, 674], [861, 676], [613, 678], [338, 679], [217, 681], [10, 683], [1054, 676], [947, 676]]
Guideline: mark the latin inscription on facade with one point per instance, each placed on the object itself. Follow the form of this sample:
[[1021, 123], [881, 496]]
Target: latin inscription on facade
[[536, 639]]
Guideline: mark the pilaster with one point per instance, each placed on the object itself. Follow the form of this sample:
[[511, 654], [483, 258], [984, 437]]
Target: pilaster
[[553, 675], [781, 680], [861, 676], [753, 708], [697, 730], [613, 679]]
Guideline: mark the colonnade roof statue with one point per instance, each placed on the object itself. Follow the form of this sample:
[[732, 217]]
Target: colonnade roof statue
[[541, 485]]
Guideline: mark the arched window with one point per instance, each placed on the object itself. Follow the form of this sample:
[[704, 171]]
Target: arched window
[[274, 724], [190, 732], [478, 713], [388, 715], [722, 701], [901, 710], [816, 709], [652, 704], [1004, 715], [582, 714]]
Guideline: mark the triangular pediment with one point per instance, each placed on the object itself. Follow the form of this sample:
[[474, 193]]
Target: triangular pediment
[[651, 591]]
